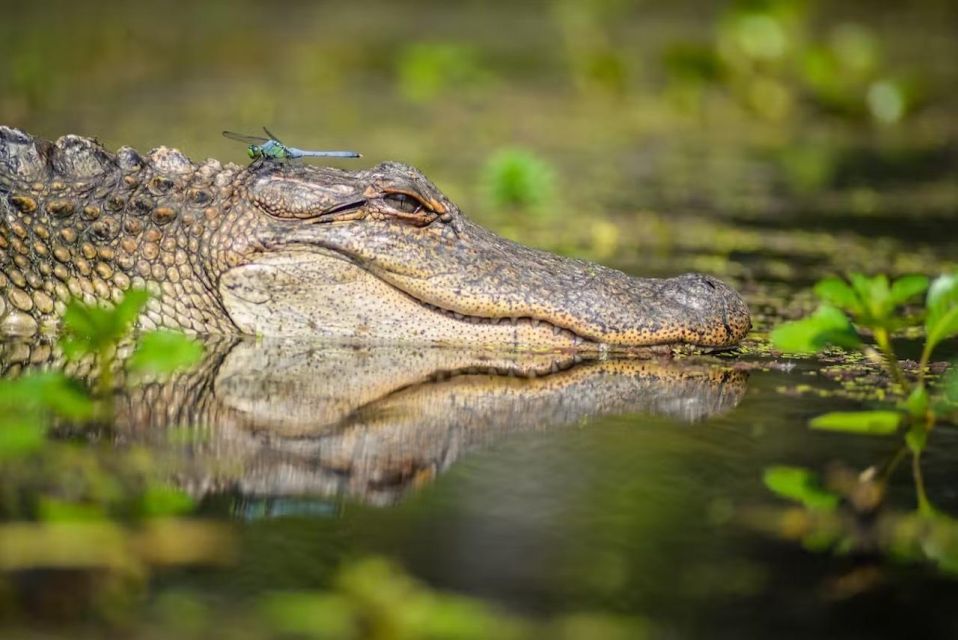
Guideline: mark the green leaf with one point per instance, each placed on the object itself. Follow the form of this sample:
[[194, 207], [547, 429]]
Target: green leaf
[[87, 329], [129, 308], [907, 287], [161, 500], [877, 423], [163, 352], [875, 294], [826, 326], [916, 438], [20, 437], [837, 293], [50, 391], [799, 485], [941, 322], [943, 292], [917, 402]]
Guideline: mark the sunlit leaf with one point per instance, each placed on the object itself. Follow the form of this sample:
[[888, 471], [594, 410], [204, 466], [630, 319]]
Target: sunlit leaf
[[917, 402], [941, 322], [878, 423], [129, 308], [88, 329], [49, 391], [161, 500], [826, 326], [163, 352], [907, 287], [20, 437], [800, 485], [836, 292], [942, 293]]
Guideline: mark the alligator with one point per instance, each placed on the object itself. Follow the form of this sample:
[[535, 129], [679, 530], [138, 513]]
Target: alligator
[[278, 418], [290, 249]]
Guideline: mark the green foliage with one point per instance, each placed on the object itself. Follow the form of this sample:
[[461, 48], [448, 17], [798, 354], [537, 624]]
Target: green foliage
[[164, 352], [875, 304], [941, 322], [162, 500], [518, 179], [871, 302], [799, 485], [872, 423], [828, 326], [763, 55], [91, 330], [428, 70], [374, 598], [27, 404]]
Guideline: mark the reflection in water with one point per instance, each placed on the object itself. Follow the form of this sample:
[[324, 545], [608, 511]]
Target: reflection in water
[[281, 418]]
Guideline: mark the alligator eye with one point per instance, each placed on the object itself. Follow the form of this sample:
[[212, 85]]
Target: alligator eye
[[404, 202]]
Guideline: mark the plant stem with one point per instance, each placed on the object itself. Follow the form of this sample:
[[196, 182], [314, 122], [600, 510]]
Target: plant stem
[[884, 344], [924, 505], [923, 363]]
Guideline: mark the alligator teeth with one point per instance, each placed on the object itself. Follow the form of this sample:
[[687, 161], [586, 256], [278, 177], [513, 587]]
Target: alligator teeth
[[515, 321], [554, 368], [457, 316], [495, 320], [534, 322], [556, 330]]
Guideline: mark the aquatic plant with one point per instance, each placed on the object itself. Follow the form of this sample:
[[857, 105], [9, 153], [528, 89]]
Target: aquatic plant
[[518, 179], [765, 57], [851, 310], [877, 305]]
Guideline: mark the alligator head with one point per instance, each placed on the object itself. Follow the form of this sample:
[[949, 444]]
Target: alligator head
[[278, 249]]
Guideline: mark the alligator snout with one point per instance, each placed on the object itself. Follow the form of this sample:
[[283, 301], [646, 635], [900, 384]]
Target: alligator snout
[[706, 310]]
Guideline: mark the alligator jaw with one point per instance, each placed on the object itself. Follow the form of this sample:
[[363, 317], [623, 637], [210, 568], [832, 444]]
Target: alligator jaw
[[368, 282], [325, 294], [474, 287]]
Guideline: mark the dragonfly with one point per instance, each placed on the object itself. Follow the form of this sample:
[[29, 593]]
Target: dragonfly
[[270, 148]]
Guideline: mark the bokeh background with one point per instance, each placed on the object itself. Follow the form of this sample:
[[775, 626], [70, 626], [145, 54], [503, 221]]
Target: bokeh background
[[603, 128]]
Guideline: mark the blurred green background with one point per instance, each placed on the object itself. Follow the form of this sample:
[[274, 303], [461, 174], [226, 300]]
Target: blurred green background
[[554, 110]]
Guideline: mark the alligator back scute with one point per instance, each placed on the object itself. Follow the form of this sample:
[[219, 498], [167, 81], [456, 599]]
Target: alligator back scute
[[81, 158], [78, 222], [26, 161], [20, 158]]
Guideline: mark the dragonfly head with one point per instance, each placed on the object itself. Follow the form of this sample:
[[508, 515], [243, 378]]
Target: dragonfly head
[[253, 151]]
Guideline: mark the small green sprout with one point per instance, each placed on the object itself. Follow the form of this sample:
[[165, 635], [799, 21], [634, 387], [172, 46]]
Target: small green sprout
[[519, 179]]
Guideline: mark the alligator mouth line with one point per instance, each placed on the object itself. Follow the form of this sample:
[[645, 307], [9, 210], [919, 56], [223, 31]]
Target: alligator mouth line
[[515, 321], [573, 338]]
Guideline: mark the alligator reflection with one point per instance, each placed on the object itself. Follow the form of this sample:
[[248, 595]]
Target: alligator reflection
[[283, 419]]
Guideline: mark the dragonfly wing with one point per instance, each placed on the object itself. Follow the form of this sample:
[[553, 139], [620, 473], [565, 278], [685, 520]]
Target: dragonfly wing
[[239, 137], [272, 136]]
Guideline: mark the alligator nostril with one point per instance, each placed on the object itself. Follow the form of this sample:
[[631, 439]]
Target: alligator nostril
[[710, 284]]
